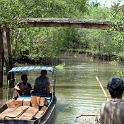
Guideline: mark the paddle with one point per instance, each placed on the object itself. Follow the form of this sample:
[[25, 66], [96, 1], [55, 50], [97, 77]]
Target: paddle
[[102, 88]]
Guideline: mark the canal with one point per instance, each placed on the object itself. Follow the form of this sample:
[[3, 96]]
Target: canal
[[77, 89]]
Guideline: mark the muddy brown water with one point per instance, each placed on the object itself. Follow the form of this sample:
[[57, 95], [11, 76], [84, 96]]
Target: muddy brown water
[[77, 90]]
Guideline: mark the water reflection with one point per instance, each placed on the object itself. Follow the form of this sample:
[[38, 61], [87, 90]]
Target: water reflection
[[77, 89]]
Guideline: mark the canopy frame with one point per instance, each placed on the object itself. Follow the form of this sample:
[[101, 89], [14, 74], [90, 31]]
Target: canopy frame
[[34, 68]]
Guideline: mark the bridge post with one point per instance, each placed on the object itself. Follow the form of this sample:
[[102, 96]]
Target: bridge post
[[1, 58], [10, 77], [8, 56]]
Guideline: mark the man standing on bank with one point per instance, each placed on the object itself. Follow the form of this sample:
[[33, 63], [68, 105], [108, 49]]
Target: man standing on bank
[[42, 84], [112, 112]]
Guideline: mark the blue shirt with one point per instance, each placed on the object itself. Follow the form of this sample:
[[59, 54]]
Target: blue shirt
[[39, 83]]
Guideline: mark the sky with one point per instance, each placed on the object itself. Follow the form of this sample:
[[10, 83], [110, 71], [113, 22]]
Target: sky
[[108, 3]]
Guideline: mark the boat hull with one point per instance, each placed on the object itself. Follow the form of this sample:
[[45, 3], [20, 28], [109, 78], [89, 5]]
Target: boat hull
[[45, 119]]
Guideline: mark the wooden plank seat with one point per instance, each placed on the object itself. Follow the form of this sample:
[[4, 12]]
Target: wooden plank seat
[[41, 101], [22, 112], [37, 101], [25, 108], [26, 102], [5, 112], [34, 102], [29, 113], [41, 112], [17, 112], [14, 103], [44, 108]]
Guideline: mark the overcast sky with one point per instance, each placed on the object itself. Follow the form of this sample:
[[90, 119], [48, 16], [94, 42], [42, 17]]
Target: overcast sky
[[108, 3]]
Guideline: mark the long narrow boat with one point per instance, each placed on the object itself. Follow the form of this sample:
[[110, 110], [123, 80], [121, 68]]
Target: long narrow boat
[[90, 118], [33, 109]]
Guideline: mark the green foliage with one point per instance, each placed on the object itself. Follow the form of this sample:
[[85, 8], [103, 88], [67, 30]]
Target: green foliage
[[97, 13], [70, 38], [117, 28], [40, 42], [119, 73], [22, 41], [9, 11], [46, 42]]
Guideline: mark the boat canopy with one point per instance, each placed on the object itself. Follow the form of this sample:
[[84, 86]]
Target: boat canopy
[[27, 68]]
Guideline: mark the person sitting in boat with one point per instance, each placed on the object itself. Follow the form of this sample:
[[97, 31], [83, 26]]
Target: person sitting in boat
[[42, 84], [24, 87], [112, 112]]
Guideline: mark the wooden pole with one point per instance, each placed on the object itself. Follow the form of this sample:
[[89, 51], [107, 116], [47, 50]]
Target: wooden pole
[[10, 77], [1, 59], [8, 56], [102, 88], [9, 49]]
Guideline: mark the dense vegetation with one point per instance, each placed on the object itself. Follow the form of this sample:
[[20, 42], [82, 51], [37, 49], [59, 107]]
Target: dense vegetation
[[37, 43]]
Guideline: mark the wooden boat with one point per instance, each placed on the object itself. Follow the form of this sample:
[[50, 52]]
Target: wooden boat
[[33, 109], [89, 118]]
